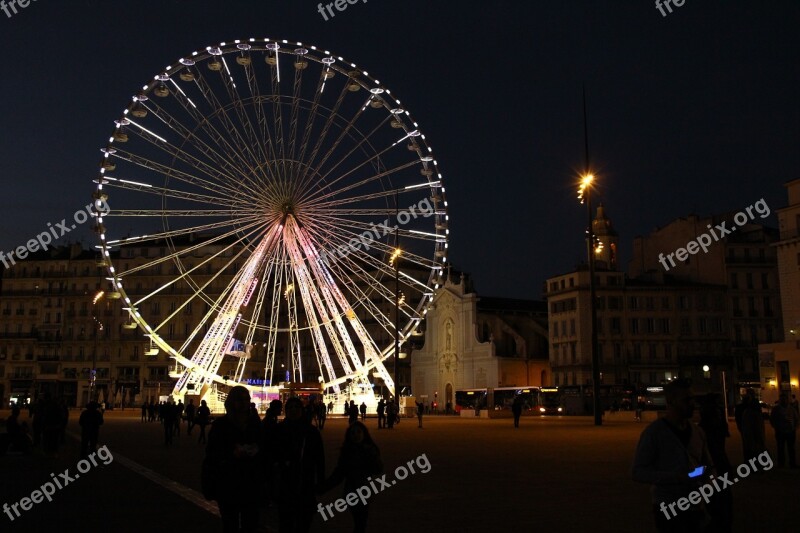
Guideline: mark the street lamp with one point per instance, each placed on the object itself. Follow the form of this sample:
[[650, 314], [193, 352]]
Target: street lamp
[[98, 326], [395, 261], [585, 196]]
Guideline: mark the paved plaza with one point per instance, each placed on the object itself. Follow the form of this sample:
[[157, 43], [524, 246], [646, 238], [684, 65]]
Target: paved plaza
[[558, 474]]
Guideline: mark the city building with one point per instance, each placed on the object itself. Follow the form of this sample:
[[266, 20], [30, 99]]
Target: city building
[[780, 361], [702, 317], [476, 342]]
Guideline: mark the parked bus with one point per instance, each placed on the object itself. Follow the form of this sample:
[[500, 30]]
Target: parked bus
[[497, 401]]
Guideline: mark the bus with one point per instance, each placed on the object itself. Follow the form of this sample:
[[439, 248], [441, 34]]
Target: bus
[[550, 402], [496, 402]]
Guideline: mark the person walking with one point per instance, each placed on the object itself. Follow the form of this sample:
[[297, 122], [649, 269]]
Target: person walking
[[715, 425], [90, 421], [381, 414], [144, 411], [299, 468], [19, 440], [783, 420], [672, 455], [363, 409], [191, 411], [151, 412], [232, 456], [359, 461], [391, 414], [352, 412], [420, 411], [322, 415], [750, 423], [203, 418], [170, 413], [516, 410], [178, 416]]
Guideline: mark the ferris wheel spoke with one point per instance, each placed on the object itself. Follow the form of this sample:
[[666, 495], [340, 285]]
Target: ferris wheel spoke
[[130, 185], [310, 125], [361, 183], [295, 115], [179, 212], [138, 239], [329, 122], [266, 145], [388, 193], [258, 222], [244, 119], [316, 301], [342, 134], [169, 172], [186, 274], [241, 150], [227, 162]]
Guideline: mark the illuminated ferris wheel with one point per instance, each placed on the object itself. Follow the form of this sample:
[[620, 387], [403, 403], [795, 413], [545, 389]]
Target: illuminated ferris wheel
[[279, 180]]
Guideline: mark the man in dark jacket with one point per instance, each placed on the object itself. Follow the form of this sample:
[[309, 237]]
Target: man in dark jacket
[[233, 460], [90, 421], [300, 468], [783, 420]]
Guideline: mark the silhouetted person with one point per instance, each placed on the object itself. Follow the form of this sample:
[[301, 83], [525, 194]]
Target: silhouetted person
[[178, 416], [37, 425], [750, 422], [64, 421], [420, 412], [783, 420], [144, 411], [381, 413], [169, 412], [516, 410], [300, 468], [359, 460], [715, 425], [669, 450], [232, 461], [322, 414], [352, 412], [90, 421], [18, 436], [151, 412], [203, 418], [191, 411], [391, 414], [363, 410]]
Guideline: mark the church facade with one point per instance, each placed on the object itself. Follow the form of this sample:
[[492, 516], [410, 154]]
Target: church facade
[[473, 342]]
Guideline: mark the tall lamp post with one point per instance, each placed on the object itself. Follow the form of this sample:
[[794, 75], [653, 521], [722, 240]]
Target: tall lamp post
[[586, 197], [98, 326], [395, 261]]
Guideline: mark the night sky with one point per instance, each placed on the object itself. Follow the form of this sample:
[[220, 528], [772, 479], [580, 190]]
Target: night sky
[[695, 112]]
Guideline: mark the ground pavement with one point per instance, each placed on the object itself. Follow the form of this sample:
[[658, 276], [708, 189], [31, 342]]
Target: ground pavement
[[558, 473]]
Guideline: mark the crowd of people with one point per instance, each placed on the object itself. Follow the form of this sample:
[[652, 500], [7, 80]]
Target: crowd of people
[[290, 455], [679, 458], [49, 418]]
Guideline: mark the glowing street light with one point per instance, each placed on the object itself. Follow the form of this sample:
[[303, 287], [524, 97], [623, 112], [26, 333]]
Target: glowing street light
[[98, 326]]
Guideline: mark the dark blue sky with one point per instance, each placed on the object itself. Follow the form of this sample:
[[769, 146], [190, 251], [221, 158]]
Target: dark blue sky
[[693, 112]]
